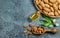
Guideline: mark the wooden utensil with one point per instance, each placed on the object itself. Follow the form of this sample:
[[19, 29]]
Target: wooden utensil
[[52, 30]]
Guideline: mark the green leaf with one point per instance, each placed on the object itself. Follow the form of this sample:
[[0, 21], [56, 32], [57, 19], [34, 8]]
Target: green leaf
[[45, 23], [48, 21], [47, 18]]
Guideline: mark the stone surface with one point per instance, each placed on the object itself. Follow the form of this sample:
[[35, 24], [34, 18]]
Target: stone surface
[[14, 14]]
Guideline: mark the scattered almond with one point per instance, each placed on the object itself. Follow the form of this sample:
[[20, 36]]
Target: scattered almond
[[30, 33], [25, 26], [29, 29], [24, 31], [30, 25]]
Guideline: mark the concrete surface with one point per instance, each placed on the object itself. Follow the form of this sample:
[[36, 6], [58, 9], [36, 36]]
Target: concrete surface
[[14, 14]]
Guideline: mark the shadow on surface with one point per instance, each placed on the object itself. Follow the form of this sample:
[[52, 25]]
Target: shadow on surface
[[32, 1], [29, 20]]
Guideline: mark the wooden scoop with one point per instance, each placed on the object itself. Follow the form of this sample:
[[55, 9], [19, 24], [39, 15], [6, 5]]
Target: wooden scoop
[[52, 30]]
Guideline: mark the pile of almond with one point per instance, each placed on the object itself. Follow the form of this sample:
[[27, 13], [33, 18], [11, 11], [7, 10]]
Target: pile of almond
[[50, 8], [38, 30], [27, 29], [33, 29]]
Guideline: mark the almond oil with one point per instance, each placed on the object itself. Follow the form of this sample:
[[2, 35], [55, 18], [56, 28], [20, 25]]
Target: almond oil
[[35, 15]]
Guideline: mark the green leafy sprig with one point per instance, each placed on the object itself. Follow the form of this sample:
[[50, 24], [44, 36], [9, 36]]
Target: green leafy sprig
[[47, 21]]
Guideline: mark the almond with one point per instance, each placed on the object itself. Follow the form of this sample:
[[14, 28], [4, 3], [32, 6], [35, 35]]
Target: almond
[[59, 6], [25, 26], [46, 1], [59, 11], [52, 1], [30, 25], [47, 9], [42, 4], [29, 29], [30, 33], [47, 5], [58, 1], [55, 7], [56, 13], [51, 14], [52, 9]]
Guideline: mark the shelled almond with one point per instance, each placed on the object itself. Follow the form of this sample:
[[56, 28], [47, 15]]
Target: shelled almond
[[49, 6], [39, 30]]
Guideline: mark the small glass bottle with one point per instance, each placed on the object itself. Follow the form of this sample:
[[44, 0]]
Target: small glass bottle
[[35, 15]]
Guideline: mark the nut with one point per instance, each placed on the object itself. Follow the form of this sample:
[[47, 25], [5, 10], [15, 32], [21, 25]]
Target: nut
[[56, 13], [25, 26], [45, 12], [34, 28], [30, 25], [52, 9], [37, 31], [58, 1], [47, 5], [46, 1], [55, 7], [24, 31], [51, 13], [50, 4], [30, 33], [59, 11], [52, 1], [37, 2], [40, 7], [59, 6], [42, 4], [29, 29], [40, 29], [47, 9]]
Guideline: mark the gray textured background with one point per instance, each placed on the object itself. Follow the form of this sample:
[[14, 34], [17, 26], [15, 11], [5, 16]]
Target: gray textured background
[[13, 14]]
